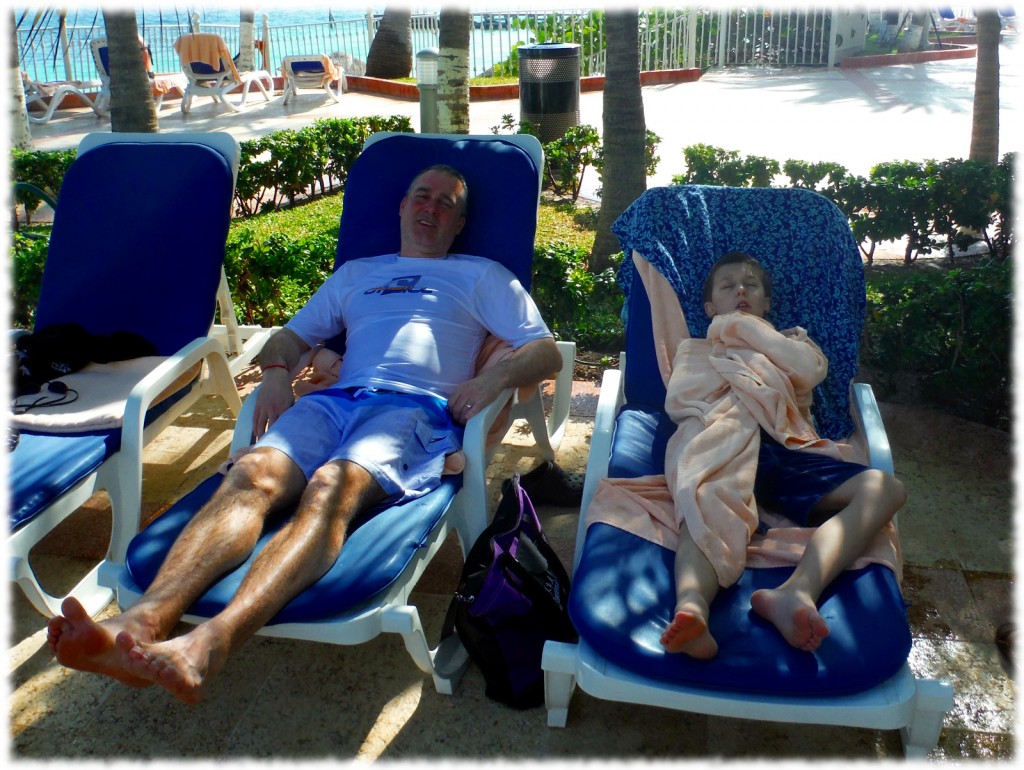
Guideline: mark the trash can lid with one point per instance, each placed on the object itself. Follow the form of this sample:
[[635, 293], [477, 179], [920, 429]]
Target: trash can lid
[[549, 50]]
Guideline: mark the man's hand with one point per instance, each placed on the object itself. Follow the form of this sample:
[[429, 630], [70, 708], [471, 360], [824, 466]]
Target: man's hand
[[533, 362], [472, 396], [272, 399]]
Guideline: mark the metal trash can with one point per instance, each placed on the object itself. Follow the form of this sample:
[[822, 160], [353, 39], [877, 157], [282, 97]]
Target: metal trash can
[[549, 88]]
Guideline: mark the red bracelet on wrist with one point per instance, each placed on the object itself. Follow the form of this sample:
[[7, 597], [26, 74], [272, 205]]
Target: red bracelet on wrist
[[273, 366]]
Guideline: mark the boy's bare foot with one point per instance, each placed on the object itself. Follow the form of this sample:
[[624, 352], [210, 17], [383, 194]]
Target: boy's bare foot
[[793, 614], [688, 633], [79, 642], [185, 665]]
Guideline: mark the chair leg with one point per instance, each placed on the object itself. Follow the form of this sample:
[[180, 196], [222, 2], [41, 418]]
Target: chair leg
[[934, 700], [559, 681]]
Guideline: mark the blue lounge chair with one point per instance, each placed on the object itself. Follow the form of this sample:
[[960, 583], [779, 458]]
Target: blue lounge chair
[[623, 591], [366, 592], [117, 263]]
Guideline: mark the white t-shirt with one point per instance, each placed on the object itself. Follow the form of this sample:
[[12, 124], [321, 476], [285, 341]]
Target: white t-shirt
[[416, 324]]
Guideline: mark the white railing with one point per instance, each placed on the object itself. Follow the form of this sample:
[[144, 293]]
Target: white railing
[[669, 39]]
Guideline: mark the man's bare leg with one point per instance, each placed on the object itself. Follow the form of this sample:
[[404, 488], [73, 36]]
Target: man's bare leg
[[302, 552], [696, 587], [219, 538], [868, 501]]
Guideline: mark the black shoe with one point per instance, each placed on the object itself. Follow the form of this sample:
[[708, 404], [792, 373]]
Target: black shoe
[[1006, 641], [547, 483]]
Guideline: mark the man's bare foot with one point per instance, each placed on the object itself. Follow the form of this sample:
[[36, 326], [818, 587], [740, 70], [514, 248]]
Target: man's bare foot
[[688, 633], [79, 642], [185, 665], [793, 614]]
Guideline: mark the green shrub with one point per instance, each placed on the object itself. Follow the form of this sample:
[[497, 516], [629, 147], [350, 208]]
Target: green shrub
[[28, 256], [44, 169], [577, 304], [943, 336]]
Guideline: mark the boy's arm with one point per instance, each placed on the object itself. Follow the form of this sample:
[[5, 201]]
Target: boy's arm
[[791, 350]]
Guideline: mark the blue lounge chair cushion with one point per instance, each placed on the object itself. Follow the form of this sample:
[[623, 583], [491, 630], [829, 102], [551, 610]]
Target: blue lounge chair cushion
[[375, 554], [623, 597], [309, 65], [45, 466]]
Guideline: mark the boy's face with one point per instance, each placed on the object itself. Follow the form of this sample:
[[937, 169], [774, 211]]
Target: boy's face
[[737, 288]]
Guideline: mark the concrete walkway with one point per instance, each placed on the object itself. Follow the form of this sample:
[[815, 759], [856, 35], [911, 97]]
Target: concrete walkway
[[302, 701]]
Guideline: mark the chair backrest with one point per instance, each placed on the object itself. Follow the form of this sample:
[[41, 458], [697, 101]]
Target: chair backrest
[[503, 174], [802, 239], [138, 236], [190, 45], [101, 56]]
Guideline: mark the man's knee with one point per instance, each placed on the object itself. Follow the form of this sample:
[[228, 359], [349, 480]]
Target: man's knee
[[266, 472], [343, 487]]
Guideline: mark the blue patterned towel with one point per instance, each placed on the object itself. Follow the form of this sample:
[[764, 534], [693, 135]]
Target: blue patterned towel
[[802, 239]]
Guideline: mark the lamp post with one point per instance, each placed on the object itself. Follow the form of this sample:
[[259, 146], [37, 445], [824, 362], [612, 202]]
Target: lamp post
[[426, 79]]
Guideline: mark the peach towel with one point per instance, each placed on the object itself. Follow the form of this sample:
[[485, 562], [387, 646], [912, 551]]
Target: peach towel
[[207, 48]]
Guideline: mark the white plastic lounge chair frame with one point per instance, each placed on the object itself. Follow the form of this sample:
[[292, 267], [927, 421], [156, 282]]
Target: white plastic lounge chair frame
[[219, 84], [390, 610], [296, 78], [121, 473], [163, 83], [915, 707], [52, 95]]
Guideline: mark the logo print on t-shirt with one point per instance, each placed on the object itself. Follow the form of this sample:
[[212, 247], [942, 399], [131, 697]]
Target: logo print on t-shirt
[[406, 284]]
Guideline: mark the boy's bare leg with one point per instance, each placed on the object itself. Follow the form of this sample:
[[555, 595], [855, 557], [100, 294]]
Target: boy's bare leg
[[696, 586], [305, 548], [868, 501], [219, 538]]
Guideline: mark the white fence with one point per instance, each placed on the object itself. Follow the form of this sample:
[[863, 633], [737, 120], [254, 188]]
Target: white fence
[[670, 39]]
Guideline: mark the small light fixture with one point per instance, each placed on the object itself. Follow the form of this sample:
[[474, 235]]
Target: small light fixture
[[426, 79], [426, 67]]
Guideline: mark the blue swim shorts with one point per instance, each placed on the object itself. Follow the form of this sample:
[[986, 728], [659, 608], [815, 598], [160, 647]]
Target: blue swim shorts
[[401, 439], [791, 482]]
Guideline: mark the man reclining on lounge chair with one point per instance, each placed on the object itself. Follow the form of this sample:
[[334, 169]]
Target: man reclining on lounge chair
[[413, 322]]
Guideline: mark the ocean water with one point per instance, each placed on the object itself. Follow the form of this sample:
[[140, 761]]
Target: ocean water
[[487, 46]]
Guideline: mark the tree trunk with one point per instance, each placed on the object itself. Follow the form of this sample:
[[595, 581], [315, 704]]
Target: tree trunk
[[390, 54], [985, 125], [131, 93], [246, 41], [624, 176], [453, 71], [21, 133]]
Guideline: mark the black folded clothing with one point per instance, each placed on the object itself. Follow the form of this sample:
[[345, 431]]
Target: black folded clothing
[[547, 483]]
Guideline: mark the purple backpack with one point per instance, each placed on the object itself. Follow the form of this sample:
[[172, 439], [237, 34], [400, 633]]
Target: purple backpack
[[512, 598]]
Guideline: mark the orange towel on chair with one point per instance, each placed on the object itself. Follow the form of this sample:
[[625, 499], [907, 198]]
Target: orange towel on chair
[[204, 47]]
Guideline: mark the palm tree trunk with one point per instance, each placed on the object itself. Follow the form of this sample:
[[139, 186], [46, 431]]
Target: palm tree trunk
[[624, 175], [131, 93], [390, 54], [21, 133], [985, 125], [246, 40], [453, 71]]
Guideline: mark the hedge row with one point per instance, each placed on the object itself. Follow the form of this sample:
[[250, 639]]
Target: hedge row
[[276, 167], [933, 205]]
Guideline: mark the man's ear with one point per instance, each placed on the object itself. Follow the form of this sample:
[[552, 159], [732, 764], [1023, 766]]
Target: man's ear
[[458, 227]]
